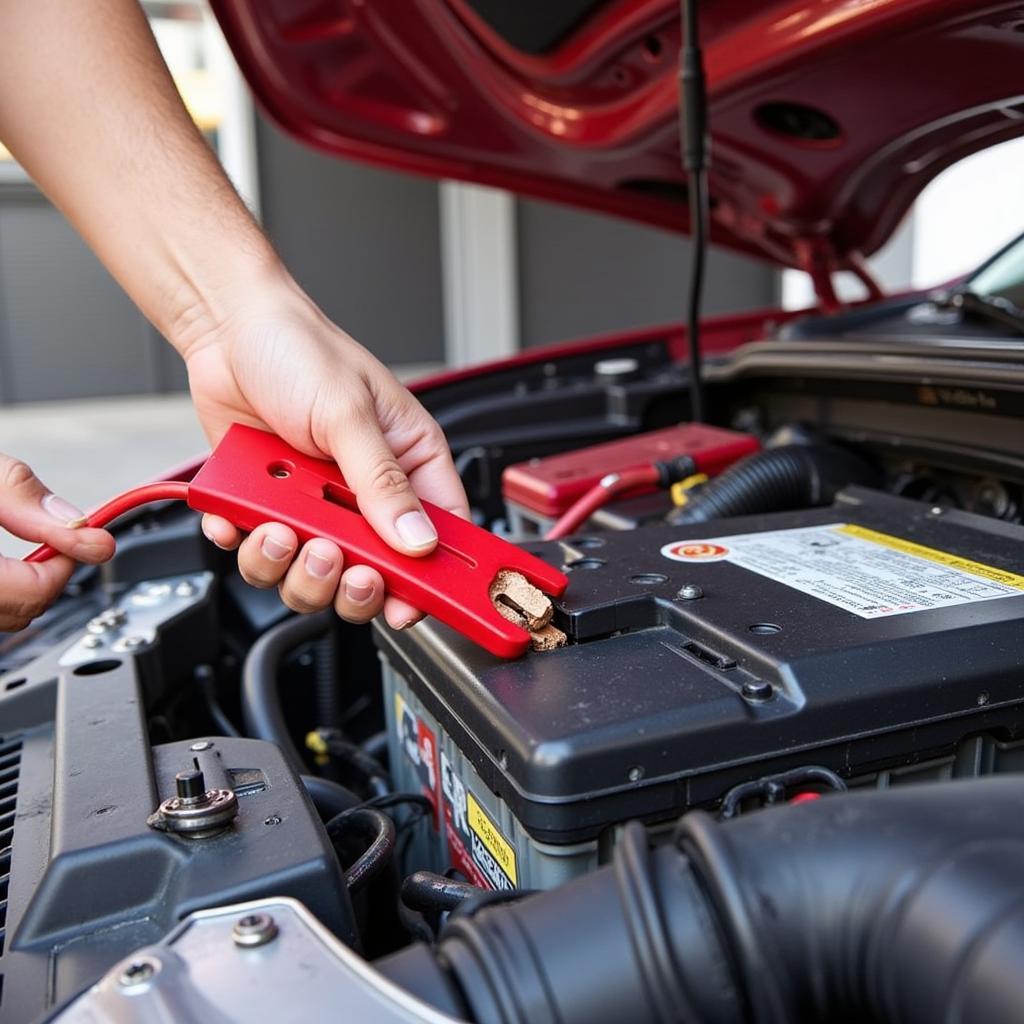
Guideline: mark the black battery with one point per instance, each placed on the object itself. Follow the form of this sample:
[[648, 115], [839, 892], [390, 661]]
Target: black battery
[[879, 638]]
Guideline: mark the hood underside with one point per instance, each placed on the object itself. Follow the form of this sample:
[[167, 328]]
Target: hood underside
[[827, 117]]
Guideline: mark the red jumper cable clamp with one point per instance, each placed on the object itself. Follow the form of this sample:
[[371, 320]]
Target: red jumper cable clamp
[[253, 477]]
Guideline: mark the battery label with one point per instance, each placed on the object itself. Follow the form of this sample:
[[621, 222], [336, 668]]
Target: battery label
[[495, 843], [419, 744], [475, 845], [868, 573]]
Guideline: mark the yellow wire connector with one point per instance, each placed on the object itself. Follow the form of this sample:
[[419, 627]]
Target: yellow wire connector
[[679, 491]]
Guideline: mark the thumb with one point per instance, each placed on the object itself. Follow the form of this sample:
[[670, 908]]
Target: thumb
[[30, 511], [383, 491]]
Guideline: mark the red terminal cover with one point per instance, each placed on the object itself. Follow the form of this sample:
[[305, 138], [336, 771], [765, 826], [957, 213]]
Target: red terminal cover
[[550, 486], [253, 477]]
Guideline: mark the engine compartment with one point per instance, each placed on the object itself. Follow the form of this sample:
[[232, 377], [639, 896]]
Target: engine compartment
[[404, 787]]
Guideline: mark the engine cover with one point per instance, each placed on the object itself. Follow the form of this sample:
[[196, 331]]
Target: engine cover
[[84, 879], [878, 638]]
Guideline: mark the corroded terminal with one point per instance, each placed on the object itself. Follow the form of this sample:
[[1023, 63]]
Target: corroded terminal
[[519, 601], [515, 591]]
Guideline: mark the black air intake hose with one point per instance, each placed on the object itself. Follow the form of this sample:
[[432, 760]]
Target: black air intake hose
[[776, 480], [904, 906]]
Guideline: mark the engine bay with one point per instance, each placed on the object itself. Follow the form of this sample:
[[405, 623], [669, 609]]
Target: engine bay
[[829, 598]]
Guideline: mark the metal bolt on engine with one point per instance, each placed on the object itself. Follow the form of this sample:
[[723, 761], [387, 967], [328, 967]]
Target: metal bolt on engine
[[758, 690], [138, 972], [690, 592], [195, 812], [254, 930]]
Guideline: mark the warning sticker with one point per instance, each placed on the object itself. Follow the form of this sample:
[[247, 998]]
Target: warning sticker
[[868, 573], [476, 846], [419, 745]]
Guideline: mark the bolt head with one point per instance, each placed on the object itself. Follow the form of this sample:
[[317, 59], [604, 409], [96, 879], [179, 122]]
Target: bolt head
[[254, 930], [273, 819], [138, 972], [92, 641], [635, 774], [201, 745], [690, 592], [758, 690], [190, 785]]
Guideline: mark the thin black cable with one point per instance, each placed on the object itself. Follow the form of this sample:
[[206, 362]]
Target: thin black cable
[[379, 828], [206, 680], [694, 142]]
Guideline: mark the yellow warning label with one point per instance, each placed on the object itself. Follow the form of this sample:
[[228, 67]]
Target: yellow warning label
[[487, 832], [987, 572]]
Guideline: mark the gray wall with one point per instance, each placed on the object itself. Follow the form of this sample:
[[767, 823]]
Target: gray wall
[[66, 328], [581, 274], [366, 244]]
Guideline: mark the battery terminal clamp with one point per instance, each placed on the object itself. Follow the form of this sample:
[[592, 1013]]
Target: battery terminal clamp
[[519, 601], [253, 477]]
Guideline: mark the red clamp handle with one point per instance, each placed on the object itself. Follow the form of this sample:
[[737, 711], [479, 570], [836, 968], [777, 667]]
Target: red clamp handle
[[253, 477]]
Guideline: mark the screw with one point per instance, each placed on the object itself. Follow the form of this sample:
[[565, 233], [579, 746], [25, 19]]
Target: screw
[[201, 745], [138, 972], [254, 930], [186, 588], [96, 625], [635, 774], [690, 592], [274, 819], [983, 698], [758, 690], [129, 643], [92, 641], [936, 510]]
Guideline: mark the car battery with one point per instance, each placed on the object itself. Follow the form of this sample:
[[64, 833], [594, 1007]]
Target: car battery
[[879, 638], [537, 492]]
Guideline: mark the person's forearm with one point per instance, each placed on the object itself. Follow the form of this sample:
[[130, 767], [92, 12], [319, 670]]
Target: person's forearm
[[89, 109]]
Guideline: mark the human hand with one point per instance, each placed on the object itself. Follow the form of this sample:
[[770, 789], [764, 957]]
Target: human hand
[[280, 364], [30, 511]]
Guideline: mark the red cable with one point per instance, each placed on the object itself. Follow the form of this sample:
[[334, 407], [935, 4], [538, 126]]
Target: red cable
[[162, 490], [599, 495]]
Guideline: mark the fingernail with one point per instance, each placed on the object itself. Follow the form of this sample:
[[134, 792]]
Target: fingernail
[[358, 594], [415, 529], [274, 549], [63, 511], [405, 625], [317, 566], [208, 534]]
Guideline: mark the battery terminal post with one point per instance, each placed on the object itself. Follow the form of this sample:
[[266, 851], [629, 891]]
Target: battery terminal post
[[518, 600]]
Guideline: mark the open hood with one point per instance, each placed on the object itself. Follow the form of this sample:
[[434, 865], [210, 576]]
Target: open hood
[[827, 116]]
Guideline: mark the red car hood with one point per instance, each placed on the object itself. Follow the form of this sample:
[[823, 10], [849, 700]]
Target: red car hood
[[827, 116]]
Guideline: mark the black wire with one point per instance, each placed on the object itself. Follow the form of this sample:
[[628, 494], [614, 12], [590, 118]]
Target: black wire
[[261, 702], [329, 798], [693, 140], [207, 682], [369, 822], [698, 235]]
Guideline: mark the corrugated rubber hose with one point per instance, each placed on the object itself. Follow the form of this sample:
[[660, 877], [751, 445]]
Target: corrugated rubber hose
[[776, 480]]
